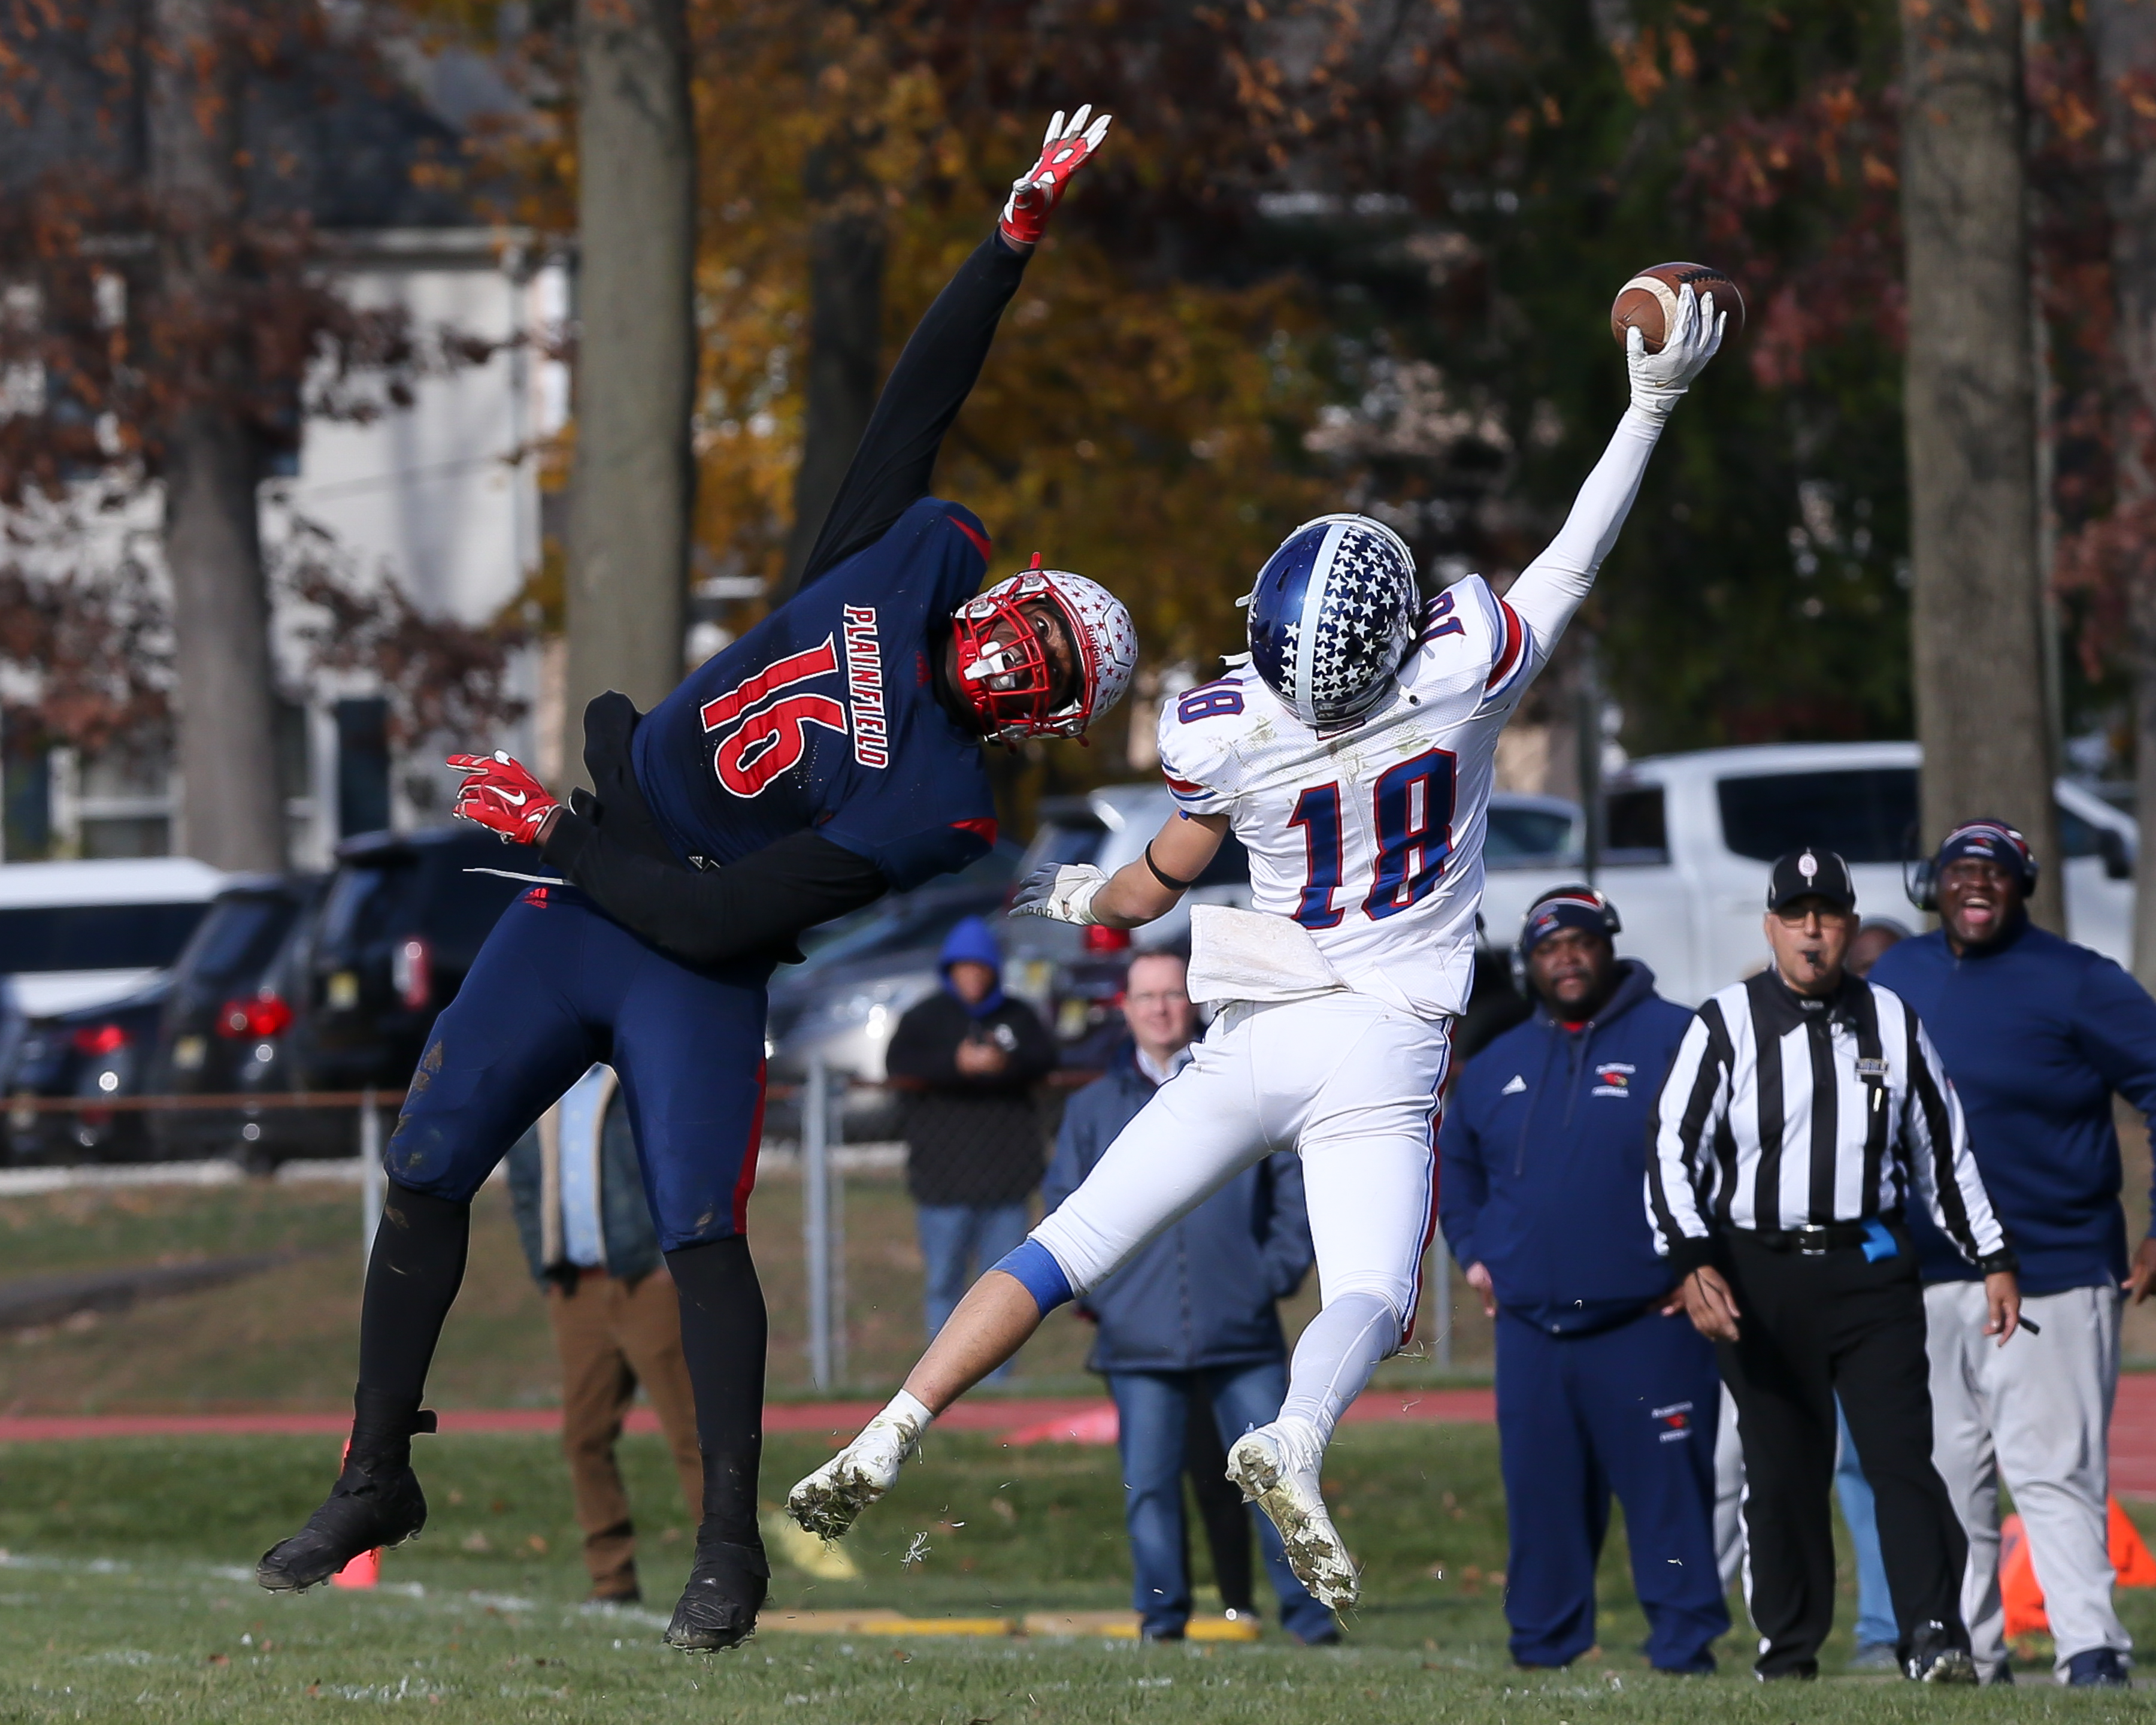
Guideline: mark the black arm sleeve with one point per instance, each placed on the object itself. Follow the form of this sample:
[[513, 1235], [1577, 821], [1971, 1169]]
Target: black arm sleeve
[[892, 468], [752, 908]]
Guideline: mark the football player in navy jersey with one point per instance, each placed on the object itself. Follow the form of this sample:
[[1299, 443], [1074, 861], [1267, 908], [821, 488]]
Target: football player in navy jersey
[[831, 755]]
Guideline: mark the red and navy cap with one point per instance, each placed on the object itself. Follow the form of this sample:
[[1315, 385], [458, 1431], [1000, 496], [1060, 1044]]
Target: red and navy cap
[[1993, 841], [1572, 907]]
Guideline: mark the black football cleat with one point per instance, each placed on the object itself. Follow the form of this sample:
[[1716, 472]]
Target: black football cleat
[[1933, 1654], [724, 1591], [364, 1509]]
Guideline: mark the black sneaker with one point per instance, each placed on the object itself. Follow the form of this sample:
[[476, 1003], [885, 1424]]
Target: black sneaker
[[364, 1509], [724, 1591], [1933, 1657], [2099, 1668]]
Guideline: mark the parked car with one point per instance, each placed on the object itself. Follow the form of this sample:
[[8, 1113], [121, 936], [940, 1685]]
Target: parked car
[[84, 948], [401, 921], [862, 971], [96, 1052], [228, 1024], [81, 934], [1688, 839]]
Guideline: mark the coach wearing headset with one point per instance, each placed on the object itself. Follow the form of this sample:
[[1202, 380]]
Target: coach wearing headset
[[2036, 1033], [1544, 1150]]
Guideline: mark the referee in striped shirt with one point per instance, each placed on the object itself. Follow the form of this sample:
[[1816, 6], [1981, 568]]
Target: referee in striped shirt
[[1805, 1110]]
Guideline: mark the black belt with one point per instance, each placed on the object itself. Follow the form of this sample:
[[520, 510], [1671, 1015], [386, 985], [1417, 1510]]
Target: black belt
[[1812, 1239]]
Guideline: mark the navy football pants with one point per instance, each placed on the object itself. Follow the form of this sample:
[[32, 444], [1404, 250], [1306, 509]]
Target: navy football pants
[[556, 985], [1632, 1409]]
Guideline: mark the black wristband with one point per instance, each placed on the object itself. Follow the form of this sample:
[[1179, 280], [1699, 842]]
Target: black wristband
[[2002, 1262], [1162, 875]]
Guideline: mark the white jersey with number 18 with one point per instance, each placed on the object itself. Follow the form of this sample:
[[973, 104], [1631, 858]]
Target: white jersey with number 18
[[1370, 838]]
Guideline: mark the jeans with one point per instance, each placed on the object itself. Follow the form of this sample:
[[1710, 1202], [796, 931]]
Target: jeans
[[1875, 1606], [958, 1241], [1151, 1408]]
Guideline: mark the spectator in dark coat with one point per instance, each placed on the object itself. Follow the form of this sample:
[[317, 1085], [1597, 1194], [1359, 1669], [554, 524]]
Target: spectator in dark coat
[[968, 1058], [1193, 1317], [1544, 1148], [586, 1227]]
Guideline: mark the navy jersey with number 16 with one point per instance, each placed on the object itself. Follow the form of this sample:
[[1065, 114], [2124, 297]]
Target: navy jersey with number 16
[[824, 718]]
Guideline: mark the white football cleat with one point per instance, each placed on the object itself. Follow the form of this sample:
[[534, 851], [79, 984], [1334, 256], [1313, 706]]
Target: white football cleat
[[1269, 1468], [827, 1501]]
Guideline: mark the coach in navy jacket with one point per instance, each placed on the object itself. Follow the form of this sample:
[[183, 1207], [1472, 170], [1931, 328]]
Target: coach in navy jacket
[[2036, 1033], [1544, 1149], [1191, 1321]]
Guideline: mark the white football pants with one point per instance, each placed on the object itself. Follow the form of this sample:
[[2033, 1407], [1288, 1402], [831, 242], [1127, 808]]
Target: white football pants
[[2036, 1413], [1349, 1081]]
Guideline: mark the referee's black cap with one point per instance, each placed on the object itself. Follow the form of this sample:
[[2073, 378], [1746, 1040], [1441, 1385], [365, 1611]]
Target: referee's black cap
[[1812, 872]]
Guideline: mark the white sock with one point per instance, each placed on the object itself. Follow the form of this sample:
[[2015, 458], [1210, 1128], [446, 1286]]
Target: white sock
[[1333, 1361]]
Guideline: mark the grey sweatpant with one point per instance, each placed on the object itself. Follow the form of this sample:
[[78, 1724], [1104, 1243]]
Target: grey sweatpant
[[2035, 1414]]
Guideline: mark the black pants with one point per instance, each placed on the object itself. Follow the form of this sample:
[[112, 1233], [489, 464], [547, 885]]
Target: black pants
[[1807, 1328]]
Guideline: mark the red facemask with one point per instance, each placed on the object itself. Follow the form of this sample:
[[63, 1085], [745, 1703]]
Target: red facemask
[[1005, 673]]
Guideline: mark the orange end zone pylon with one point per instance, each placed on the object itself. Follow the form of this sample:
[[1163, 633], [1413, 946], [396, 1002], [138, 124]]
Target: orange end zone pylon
[[2024, 1599]]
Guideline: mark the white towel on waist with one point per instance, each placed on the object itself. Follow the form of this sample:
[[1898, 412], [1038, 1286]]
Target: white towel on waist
[[1253, 955]]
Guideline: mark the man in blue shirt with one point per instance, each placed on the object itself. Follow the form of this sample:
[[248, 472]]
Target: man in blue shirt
[[1191, 1323], [1601, 1383], [831, 755], [2037, 1034]]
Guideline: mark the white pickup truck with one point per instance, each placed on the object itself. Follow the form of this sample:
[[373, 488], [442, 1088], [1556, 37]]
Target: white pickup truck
[[1689, 838]]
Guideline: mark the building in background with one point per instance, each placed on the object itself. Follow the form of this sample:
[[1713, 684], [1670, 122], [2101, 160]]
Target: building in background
[[442, 498]]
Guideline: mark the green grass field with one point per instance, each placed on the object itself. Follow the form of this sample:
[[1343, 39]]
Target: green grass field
[[125, 1595], [287, 1338]]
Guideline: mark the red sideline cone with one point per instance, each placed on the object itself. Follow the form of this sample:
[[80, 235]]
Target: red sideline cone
[[364, 1570]]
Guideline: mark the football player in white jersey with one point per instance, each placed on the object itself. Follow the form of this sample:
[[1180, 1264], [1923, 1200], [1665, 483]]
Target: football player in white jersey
[[1351, 754]]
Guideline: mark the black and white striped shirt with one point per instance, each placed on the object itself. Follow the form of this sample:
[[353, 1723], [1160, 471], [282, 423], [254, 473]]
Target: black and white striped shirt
[[1783, 1111]]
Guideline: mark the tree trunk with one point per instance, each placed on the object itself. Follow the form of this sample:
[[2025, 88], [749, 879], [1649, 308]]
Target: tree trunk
[[2123, 35], [1976, 630], [636, 357], [845, 328], [232, 812]]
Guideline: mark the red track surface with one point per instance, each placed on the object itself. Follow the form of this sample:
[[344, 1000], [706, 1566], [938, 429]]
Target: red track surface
[[836, 1420], [2132, 1427]]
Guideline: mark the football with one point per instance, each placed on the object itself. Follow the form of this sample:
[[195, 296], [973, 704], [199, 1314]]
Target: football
[[1650, 299]]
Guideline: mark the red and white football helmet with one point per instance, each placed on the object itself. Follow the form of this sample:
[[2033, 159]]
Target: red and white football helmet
[[1004, 670]]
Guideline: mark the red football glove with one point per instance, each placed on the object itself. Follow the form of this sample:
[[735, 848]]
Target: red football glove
[[501, 795], [1035, 193]]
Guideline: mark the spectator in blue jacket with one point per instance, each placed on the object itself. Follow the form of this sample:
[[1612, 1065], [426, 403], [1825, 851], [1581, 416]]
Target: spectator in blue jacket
[[2037, 1034], [1600, 1385], [1193, 1317]]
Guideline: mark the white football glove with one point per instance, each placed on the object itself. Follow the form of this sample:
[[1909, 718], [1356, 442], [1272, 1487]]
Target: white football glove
[[1062, 892], [1658, 379]]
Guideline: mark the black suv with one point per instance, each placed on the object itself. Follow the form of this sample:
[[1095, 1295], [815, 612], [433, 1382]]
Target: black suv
[[228, 1026], [403, 920], [94, 1051]]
